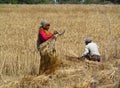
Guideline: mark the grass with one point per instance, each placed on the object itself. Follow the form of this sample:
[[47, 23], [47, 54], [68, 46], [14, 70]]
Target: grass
[[18, 33]]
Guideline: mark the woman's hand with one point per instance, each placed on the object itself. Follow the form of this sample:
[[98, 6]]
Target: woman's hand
[[55, 32]]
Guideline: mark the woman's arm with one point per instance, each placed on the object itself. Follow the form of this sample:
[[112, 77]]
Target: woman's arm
[[44, 35]]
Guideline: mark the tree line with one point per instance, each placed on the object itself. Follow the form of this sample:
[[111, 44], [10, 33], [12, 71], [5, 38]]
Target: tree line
[[59, 1]]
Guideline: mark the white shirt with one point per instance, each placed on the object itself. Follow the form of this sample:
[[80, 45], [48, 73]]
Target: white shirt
[[92, 49]]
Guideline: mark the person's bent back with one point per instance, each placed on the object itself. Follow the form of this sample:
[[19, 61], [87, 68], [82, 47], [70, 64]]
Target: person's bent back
[[91, 50]]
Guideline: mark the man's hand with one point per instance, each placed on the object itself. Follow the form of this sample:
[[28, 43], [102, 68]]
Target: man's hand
[[81, 57]]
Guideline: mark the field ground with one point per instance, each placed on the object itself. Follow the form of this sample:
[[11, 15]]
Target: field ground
[[19, 60]]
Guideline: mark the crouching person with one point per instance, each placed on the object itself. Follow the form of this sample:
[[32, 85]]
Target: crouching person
[[91, 51]]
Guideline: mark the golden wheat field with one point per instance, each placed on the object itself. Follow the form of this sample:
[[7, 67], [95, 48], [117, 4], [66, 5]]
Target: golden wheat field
[[19, 60]]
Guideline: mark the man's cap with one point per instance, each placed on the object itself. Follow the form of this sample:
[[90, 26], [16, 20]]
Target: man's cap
[[43, 23], [87, 40]]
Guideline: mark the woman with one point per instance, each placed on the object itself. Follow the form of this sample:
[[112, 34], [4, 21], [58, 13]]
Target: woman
[[48, 54]]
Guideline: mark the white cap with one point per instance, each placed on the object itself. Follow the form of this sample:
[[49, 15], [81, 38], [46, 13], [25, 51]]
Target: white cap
[[87, 40], [44, 23]]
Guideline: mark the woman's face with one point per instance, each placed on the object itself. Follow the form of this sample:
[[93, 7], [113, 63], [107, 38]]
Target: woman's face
[[46, 27]]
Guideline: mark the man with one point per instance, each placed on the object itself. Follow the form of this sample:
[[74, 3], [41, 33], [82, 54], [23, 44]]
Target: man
[[91, 50], [47, 53]]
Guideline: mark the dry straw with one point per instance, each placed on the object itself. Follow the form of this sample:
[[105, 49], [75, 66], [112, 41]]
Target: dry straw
[[18, 33]]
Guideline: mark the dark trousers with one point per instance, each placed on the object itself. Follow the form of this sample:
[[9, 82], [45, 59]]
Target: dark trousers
[[93, 57]]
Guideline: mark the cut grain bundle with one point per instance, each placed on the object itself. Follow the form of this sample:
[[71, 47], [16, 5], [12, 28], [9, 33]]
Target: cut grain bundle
[[48, 63], [108, 78]]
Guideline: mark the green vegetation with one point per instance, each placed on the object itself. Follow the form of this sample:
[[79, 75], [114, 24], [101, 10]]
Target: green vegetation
[[59, 1]]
